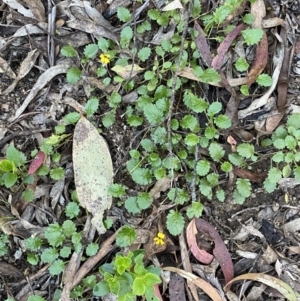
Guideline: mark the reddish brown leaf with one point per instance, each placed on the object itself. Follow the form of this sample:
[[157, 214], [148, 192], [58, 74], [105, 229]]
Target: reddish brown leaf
[[202, 45], [224, 46], [248, 174], [36, 162], [260, 61], [220, 251], [200, 255]]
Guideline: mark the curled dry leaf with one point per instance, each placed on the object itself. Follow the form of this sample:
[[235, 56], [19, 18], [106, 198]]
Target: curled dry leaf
[[259, 102], [5, 68], [271, 281], [36, 162], [199, 254], [202, 284], [220, 251], [272, 22], [93, 171]]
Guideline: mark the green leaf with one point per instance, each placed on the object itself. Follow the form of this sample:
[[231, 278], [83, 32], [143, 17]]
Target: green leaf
[[123, 14], [116, 190], [198, 105], [214, 108], [279, 143], [6, 166], [274, 175], [244, 187], [245, 150], [191, 139], [131, 205], [68, 228], [71, 118], [72, 210], [92, 249], [210, 132], [144, 200], [33, 259], [126, 236], [222, 121], [216, 151], [290, 142], [126, 36], [278, 157], [151, 279], [221, 13], [175, 222], [134, 120], [293, 121], [153, 114], [202, 167], [248, 19], [138, 286], [195, 210], [289, 157], [68, 51], [153, 14], [28, 195], [264, 80], [10, 179], [144, 54], [54, 235], [241, 64], [109, 119], [33, 243], [269, 186], [57, 267], [189, 122], [65, 252], [35, 298], [238, 198], [49, 255], [142, 176], [286, 171], [245, 90], [101, 289], [114, 99], [220, 194], [297, 173], [15, 156], [252, 35], [57, 173], [236, 159], [91, 106], [178, 195], [73, 75], [90, 51], [226, 166]]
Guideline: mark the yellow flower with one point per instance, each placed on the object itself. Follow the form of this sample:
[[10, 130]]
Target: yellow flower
[[159, 239], [104, 58]]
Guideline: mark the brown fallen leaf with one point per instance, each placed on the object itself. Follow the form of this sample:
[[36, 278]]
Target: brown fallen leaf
[[7, 269], [220, 251], [248, 174], [260, 61], [202, 284], [199, 254], [202, 45], [224, 46], [37, 8], [271, 281]]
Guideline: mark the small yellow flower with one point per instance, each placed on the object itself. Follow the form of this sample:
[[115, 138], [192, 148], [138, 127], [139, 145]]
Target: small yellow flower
[[159, 239], [104, 58]]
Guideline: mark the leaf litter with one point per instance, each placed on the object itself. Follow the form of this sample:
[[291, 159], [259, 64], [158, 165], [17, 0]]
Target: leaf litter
[[93, 166]]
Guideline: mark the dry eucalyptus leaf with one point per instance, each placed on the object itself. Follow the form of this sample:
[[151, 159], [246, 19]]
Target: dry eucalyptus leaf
[[93, 171], [25, 68], [19, 7], [127, 72], [37, 8], [5, 68]]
